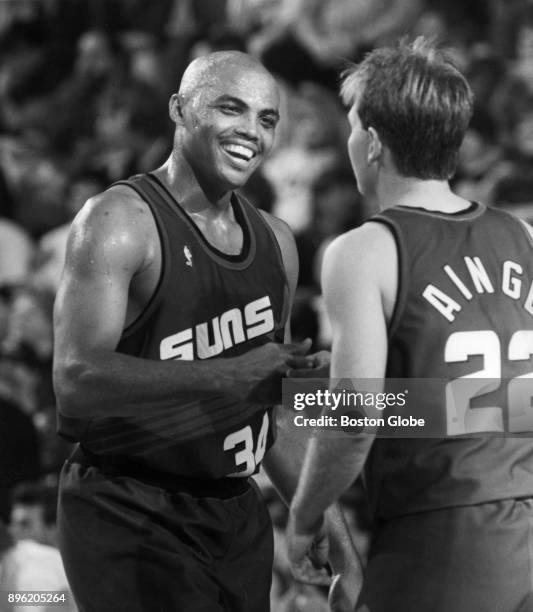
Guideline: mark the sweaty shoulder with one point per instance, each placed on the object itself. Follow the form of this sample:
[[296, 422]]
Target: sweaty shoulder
[[114, 227]]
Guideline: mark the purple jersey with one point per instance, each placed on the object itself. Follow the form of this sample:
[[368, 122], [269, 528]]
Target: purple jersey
[[207, 304], [464, 309]]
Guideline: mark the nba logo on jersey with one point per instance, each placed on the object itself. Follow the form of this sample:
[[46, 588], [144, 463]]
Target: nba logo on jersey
[[188, 256]]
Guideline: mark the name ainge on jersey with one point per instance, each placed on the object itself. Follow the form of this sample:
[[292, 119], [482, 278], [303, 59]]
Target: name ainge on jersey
[[512, 284], [211, 338]]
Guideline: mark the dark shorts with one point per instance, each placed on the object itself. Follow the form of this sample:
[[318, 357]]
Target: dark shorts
[[128, 545], [467, 559]]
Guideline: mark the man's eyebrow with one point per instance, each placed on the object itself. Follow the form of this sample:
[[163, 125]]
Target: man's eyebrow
[[228, 98]]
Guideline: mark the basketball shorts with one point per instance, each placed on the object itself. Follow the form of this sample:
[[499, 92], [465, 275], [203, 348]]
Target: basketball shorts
[[130, 545], [471, 558]]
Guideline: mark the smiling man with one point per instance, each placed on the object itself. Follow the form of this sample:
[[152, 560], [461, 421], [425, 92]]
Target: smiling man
[[170, 331]]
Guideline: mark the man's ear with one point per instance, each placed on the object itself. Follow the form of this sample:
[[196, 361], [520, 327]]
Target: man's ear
[[175, 108], [375, 146]]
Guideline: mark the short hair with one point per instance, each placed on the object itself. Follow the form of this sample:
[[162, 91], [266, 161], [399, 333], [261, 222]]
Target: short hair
[[417, 100]]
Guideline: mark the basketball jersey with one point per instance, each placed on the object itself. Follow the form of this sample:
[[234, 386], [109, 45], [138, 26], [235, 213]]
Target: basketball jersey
[[207, 305], [464, 308]]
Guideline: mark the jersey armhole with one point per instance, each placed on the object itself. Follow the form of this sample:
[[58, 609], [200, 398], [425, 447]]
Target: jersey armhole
[[286, 301], [265, 223], [403, 273], [528, 230], [139, 184]]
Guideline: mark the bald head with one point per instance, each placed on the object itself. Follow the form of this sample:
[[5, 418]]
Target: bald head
[[226, 113], [214, 68]]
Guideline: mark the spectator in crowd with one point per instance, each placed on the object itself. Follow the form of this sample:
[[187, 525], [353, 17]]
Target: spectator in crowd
[[29, 566], [478, 166], [19, 443], [310, 39], [25, 384], [36, 182], [34, 512], [513, 185], [314, 144], [28, 337], [16, 252], [50, 256]]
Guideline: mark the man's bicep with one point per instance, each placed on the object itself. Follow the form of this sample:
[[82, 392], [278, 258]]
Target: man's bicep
[[89, 310], [92, 299], [354, 306]]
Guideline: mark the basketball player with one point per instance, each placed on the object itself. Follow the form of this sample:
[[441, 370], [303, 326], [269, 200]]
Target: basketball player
[[170, 325], [433, 287]]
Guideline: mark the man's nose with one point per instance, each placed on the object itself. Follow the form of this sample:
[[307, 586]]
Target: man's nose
[[248, 126]]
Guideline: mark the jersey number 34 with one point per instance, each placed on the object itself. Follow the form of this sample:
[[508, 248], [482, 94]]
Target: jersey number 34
[[248, 455]]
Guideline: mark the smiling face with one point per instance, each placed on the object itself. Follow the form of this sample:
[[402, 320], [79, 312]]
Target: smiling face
[[228, 124]]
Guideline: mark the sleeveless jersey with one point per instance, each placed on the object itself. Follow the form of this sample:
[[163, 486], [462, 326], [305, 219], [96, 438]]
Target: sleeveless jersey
[[207, 304], [464, 308]]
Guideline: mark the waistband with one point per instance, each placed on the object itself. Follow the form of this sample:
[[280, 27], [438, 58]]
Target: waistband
[[113, 466]]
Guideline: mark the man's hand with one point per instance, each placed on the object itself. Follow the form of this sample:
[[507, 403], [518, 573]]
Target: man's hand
[[345, 563], [256, 375], [308, 553], [344, 591], [316, 366]]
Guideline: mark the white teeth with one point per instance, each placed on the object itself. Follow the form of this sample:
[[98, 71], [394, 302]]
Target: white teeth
[[239, 150]]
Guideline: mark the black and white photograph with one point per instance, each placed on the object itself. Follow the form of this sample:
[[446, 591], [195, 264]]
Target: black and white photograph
[[266, 306]]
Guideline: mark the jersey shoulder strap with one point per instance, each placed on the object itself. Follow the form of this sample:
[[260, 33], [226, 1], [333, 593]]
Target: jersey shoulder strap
[[157, 201]]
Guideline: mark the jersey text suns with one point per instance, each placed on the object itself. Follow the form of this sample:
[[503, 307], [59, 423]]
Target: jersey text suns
[[221, 333]]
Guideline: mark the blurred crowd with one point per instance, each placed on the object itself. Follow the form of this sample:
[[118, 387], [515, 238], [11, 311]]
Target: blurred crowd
[[84, 88]]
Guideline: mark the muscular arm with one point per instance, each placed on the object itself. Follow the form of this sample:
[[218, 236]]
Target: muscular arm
[[109, 246], [283, 464], [359, 284]]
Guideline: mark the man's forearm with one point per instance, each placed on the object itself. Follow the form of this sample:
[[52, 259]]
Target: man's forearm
[[341, 547], [330, 467], [284, 464], [106, 383]]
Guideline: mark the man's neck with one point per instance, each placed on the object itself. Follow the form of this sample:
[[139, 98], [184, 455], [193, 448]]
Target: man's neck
[[178, 176], [434, 195], [215, 219]]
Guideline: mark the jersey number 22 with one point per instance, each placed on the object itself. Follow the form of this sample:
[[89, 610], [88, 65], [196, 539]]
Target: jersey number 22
[[460, 417]]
